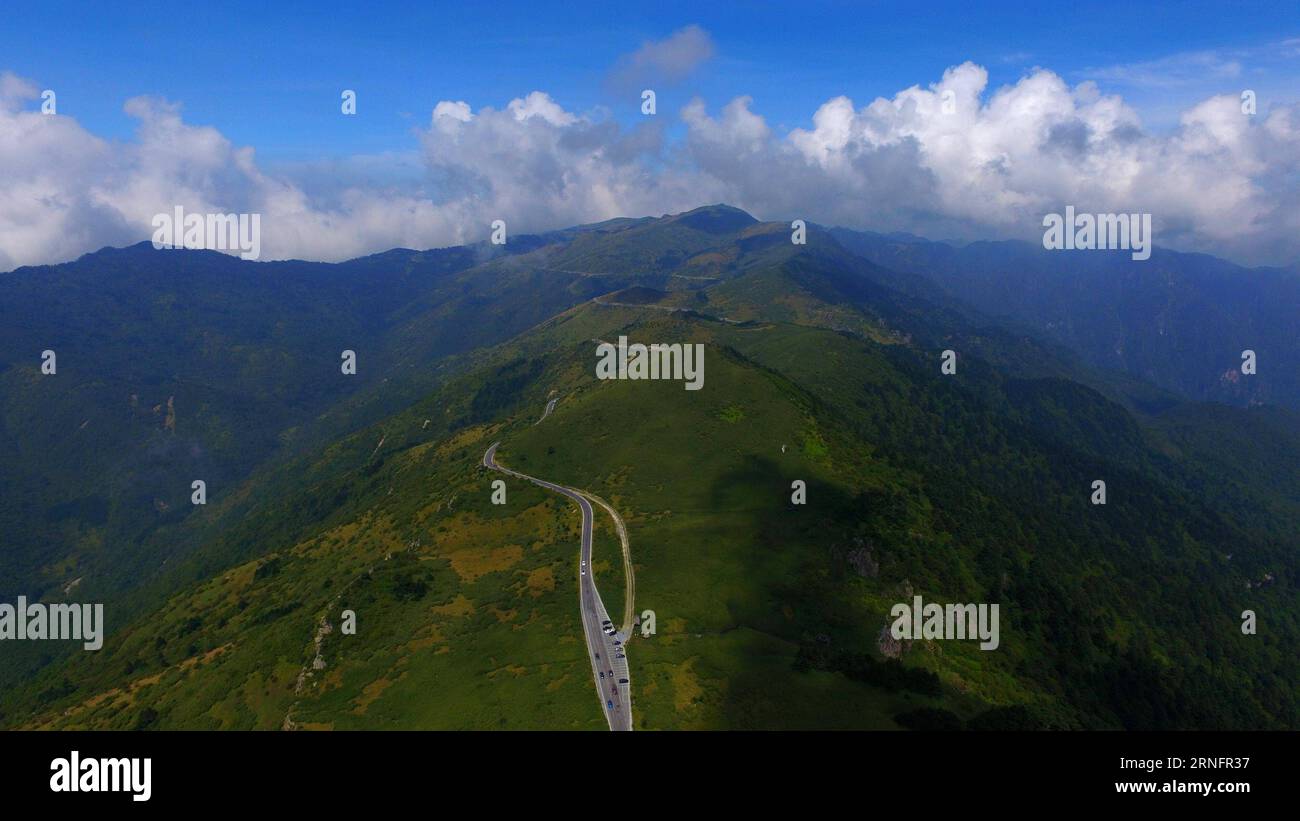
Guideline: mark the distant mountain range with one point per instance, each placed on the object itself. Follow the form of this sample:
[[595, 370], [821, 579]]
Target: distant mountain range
[[328, 491], [1179, 321]]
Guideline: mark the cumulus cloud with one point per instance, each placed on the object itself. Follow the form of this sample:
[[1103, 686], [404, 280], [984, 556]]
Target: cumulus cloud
[[669, 60], [66, 192], [538, 166], [952, 159]]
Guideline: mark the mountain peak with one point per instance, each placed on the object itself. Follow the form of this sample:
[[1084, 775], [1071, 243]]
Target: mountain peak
[[715, 219]]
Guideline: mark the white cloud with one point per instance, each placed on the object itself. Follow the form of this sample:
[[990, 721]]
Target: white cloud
[[670, 60], [994, 164], [989, 166], [1185, 68], [538, 166]]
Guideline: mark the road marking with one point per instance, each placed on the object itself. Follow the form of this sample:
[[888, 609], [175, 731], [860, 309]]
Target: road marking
[[591, 605], [629, 597]]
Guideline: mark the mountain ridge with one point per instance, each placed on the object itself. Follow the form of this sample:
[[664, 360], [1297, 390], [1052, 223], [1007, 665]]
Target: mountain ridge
[[821, 350]]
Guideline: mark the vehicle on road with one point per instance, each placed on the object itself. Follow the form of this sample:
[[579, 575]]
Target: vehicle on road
[[602, 673], [609, 704], [622, 681]]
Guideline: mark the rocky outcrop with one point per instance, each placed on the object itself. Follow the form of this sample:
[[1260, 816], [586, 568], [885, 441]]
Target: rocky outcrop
[[317, 663], [862, 561], [889, 646]]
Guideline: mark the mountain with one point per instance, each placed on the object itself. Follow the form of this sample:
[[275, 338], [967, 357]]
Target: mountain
[[174, 366], [1179, 321], [821, 366]]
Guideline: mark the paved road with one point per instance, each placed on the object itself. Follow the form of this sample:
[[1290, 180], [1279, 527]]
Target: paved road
[[615, 698], [550, 406], [629, 577]]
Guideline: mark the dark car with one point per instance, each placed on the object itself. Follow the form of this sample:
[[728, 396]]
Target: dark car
[[598, 655], [602, 673], [609, 704], [622, 681]]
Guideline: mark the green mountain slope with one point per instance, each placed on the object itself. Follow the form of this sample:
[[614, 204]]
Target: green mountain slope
[[971, 487], [769, 614], [1177, 320]]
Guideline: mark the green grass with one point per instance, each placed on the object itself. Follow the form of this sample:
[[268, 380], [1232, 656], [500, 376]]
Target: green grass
[[969, 489]]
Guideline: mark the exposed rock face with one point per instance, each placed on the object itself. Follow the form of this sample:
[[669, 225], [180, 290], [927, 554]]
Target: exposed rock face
[[891, 647], [861, 560], [317, 663], [326, 628]]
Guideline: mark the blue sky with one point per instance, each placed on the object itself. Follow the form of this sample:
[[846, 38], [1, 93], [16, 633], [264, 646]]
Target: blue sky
[[530, 112], [269, 74]]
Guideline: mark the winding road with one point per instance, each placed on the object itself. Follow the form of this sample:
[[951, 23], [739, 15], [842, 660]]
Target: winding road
[[550, 406], [609, 672]]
